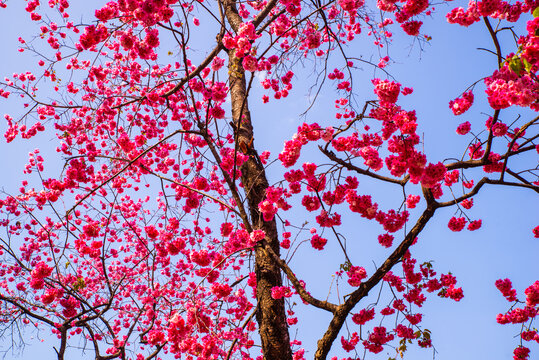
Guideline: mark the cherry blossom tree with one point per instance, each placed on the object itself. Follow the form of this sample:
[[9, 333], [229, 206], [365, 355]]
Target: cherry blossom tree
[[167, 231]]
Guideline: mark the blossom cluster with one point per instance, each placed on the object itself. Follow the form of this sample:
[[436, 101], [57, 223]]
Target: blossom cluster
[[131, 123]]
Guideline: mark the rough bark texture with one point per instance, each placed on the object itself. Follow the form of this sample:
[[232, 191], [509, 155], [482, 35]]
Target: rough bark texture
[[271, 316]]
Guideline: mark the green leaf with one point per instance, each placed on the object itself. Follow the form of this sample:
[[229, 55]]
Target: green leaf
[[79, 284], [346, 266], [527, 65], [535, 12], [516, 65]]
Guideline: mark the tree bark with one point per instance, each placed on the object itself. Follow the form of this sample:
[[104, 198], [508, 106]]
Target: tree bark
[[270, 315]]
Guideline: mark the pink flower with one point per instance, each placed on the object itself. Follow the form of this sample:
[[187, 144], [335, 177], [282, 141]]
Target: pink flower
[[407, 91], [461, 105], [377, 338], [462, 17], [467, 204], [474, 225], [312, 39], [499, 129], [532, 294], [412, 27], [278, 292], [386, 240], [248, 31], [350, 5], [91, 230], [229, 42], [41, 270], [217, 63], [151, 231], [488, 7], [451, 178], [414, 7], [285, 244], [32, 5], [349, 345], [201, 257], [521, 353], [217, 112], [93, 35], [221, 290], [464, 128], [506, 288], [457, 224], [433, 174], [37, 283], [250, 63], [257, 235], [311, 203], [405, 332], [387, 311], [506, 88], [291, 152], [50, 295], [109, 11], [363, 316], [387, 91], [318, 242], [414, 319], [70, 305], [454, 293], [268, 209], [226, 229], [356, 274], [325, 219], [476, 151], [412, 200]]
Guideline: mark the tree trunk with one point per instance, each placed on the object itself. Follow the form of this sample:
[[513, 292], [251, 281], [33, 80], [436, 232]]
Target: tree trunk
[[270, 315]]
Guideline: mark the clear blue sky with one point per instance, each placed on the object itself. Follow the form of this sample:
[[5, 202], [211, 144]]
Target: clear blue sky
[[504, 247]]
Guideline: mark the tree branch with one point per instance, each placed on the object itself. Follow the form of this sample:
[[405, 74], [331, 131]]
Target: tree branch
[[339, 317], [304, 294]]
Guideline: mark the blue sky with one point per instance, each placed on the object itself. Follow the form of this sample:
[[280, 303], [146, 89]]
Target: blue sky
[[504, 247]]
